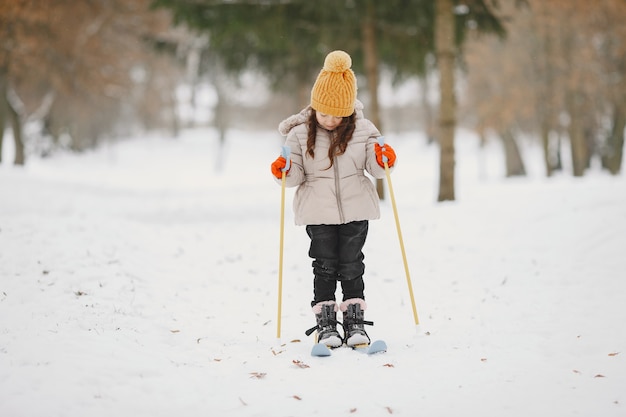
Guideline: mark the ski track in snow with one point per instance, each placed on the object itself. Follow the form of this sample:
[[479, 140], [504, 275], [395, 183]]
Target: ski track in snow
[[136, 280]]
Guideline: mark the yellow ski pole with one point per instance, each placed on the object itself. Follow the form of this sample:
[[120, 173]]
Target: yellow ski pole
[[286, 151], [381, 142]]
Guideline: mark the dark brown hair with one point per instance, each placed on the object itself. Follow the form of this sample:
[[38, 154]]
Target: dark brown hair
[[339, 137]]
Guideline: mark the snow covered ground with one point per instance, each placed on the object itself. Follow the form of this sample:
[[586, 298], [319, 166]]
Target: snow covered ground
[[138, 281]]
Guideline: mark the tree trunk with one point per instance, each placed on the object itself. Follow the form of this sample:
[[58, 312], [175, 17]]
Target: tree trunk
[[444, 42], [512, 155], [221, 121], [578, 143], [613, 155], [3, 108], [545, 142], [370, 55], [7, 40], [558, 157], [16, 124]]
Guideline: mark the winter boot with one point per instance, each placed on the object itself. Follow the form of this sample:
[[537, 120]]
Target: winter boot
[[326, 316], [353, 322]]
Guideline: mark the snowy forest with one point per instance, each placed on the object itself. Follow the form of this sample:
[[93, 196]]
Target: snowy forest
[[76, 74], [150, 264]]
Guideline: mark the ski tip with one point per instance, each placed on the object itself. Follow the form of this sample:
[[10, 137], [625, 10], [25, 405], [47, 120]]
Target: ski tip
[[378, 346], [320, 349]]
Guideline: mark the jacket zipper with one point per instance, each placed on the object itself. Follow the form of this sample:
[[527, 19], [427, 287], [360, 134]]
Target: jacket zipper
[[338, 190]]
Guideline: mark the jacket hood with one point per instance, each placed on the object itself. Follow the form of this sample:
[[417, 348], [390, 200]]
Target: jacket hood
[[297, 119]]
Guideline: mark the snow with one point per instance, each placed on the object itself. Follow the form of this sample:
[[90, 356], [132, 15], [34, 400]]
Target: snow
[[136, 280]]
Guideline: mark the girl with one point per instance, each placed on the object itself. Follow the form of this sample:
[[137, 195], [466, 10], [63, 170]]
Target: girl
[[332, 147]]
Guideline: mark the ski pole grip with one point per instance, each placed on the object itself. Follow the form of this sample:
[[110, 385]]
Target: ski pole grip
[[381, 142], [286, 153]]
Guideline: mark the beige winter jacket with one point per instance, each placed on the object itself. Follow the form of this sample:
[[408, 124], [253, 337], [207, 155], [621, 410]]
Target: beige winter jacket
[[342, 193]]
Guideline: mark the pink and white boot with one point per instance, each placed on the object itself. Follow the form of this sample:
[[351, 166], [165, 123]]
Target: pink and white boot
[[353, 322], [326, 317]]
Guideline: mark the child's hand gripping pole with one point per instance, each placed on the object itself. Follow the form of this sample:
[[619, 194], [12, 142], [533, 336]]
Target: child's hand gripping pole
[[286, 153], [381, 142]]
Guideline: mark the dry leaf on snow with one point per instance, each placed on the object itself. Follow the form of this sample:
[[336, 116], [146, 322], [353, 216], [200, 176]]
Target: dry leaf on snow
[[300, 364]]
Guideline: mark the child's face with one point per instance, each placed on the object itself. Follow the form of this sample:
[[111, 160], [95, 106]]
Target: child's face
[[327, 121]]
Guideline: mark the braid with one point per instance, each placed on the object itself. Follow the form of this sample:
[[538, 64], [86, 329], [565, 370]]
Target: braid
[[311, 125]]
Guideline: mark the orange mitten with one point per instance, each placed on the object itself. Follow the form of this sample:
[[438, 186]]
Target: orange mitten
[[278, 165], [385, 151]]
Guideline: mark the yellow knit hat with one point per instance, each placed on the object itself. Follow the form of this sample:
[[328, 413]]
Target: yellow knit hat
[[334, 91]]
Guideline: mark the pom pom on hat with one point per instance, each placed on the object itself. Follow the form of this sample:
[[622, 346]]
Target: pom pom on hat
[[337, 61], [334, 91]]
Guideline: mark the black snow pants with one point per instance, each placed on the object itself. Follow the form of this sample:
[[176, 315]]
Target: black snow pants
[[337, 256]]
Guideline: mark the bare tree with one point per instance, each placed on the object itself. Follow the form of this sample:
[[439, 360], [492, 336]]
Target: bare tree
[[444, 42], [80, 59], [559, 74], [370, 54]]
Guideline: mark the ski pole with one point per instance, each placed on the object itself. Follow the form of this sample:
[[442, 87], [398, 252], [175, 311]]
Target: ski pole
[[286, 152], [381, 142]]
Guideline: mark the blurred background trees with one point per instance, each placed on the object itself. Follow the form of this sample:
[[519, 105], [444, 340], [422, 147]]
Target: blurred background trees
[[76, 73], [73, 73], [286, 42], [558, 77]]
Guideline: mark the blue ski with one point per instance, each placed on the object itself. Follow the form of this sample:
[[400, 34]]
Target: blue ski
[[320, 349], [378, 346]]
